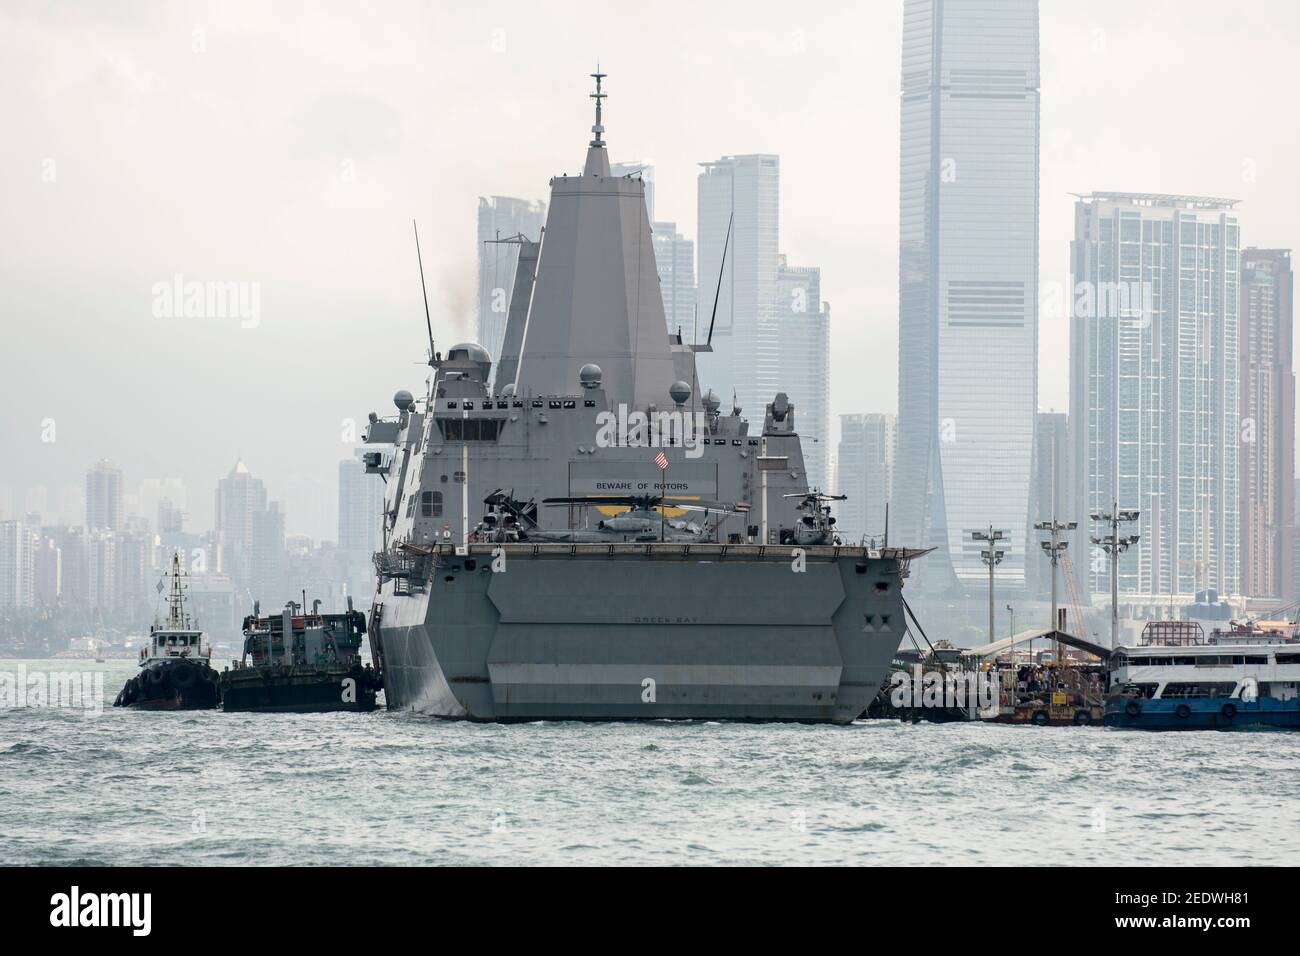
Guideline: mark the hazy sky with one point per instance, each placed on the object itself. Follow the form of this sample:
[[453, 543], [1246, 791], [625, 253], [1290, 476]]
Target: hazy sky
[[291, 144]]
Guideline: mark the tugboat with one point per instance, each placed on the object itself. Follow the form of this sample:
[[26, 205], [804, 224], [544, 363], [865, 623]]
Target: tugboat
[[296, 662], [175, 669]]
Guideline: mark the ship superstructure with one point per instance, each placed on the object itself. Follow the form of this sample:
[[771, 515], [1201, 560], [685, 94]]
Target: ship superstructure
[[521, 575]]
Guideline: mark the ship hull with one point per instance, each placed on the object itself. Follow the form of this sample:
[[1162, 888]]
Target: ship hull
[[640, 632], [297, 691], [172, 684], [1202, 714]]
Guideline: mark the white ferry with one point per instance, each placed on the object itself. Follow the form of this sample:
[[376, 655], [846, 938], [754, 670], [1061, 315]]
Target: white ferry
[[1246, 676]]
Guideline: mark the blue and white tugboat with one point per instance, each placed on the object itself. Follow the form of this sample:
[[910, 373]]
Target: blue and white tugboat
[[1176, 680], [175, 669]]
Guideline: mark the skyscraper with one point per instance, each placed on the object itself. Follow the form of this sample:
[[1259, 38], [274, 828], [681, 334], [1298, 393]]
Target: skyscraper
[[645, 171], [797, 362], [47, 573], [99, 577], [1267, 423], [1295, 538], [240, 501], [1154, 387], [968, 283], [103, 497], [17, 564], [500, 220], [361, 503], [266, 560], [746, 330], [675, 263], [865, 473]]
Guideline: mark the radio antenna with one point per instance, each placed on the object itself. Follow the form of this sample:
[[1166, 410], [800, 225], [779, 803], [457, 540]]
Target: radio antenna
[[428, 322], [721, 269]]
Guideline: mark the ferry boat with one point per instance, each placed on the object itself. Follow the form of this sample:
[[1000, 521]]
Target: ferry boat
[[175, 669], [1243, 676]]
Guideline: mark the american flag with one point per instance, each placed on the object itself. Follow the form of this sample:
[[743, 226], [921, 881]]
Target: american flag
[[661, 460]]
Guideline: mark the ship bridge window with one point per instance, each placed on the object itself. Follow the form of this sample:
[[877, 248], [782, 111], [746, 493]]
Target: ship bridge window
[[470, 429], [538, 403], [1288, 658], [431, 504]]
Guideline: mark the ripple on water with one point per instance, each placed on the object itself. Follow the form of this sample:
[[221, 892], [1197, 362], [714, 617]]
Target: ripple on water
[[402, 789]]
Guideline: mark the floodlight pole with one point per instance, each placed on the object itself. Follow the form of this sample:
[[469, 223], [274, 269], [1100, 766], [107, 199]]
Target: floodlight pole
[[1114, 545], [992, 557]]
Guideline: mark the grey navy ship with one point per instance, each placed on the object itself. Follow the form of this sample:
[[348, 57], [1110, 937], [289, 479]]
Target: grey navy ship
[[539, 561]]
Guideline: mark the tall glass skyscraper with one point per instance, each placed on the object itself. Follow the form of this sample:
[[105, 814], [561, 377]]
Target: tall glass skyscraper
[[746, 334], [968, 284], [675, 262], [1268, 423], [500, 219], [104, 497], [797, 361], [865, 473], [1154, 394], [361, 503]]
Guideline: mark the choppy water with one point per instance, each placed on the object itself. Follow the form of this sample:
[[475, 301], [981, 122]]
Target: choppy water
[[124, 787]]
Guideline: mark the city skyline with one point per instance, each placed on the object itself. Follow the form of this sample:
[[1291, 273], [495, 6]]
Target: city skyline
[[1091, 48]]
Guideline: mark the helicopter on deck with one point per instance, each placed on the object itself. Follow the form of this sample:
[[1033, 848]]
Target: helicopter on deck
[[507, 518], [816, 525], [645, 519]]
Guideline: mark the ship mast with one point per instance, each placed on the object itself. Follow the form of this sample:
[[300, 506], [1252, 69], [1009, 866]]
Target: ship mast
[[176, 617], [598, 129]]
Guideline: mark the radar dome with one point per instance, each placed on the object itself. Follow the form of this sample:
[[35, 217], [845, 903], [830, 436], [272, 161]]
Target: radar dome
[[403, 400], [469, 350], [590, 375], [508, 391], [679, 392], [711, 402]]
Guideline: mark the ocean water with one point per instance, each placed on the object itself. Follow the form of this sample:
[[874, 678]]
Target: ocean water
[[102, 786]]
